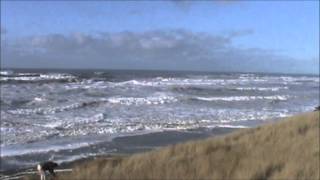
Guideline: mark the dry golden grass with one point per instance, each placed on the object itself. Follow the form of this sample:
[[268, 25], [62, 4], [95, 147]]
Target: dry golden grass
[[285, 150]]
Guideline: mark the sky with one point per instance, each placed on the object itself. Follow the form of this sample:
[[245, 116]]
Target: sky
[[238, 36]]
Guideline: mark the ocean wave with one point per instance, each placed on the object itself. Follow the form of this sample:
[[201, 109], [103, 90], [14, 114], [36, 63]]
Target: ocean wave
[[299, 79], [7, 151], [260, 88], [6, 73], [95, 105], [100, 124], [34, 77], [87, 84], [290, 79], [242, 80], [150, 100], [228, 126], [202, 82], [53, 110], [159, 81], [15, 102], [243, 98], [155, 100]]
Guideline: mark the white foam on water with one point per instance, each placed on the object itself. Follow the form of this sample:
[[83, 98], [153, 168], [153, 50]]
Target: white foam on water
[[159, 81], [144, 104], [53, 124], [87, 84], [93, 118], [228, 126], [202, 81], [261, 88], [6, 73], [37, 77], [50, 110], [244, 98], [39, 99], [152, 100], [7, 151]]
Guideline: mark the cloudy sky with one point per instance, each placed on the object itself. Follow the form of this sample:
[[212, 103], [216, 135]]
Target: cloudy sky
[[246, 36]]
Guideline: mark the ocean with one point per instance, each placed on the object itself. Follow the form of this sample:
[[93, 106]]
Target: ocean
[[67, 115]]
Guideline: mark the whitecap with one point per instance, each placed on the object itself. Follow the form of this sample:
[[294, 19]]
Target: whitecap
[[228, 126], [6, 73], [37, 77], [243, 98], [49, 110], [152, 100], [261, 88], [8, 151]]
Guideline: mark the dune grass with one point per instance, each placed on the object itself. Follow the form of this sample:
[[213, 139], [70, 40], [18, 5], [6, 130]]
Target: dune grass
[[288, 149]]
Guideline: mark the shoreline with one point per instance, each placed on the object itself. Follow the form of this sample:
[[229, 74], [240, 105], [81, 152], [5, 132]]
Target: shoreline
[[129, 145]]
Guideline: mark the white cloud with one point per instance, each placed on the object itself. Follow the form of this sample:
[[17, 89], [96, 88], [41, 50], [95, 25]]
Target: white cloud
[[158, 49]]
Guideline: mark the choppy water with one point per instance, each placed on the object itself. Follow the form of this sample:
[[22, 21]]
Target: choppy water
[[44, 111]]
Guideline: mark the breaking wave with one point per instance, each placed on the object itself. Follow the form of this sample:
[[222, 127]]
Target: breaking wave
[[46, 107], [53, 110], [34, 77], [151, 100], [243, 98]]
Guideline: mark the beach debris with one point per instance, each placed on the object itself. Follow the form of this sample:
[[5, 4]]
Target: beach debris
[[46, 166]]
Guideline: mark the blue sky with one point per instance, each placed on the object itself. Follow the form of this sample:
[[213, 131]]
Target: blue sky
[[286, 32]]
